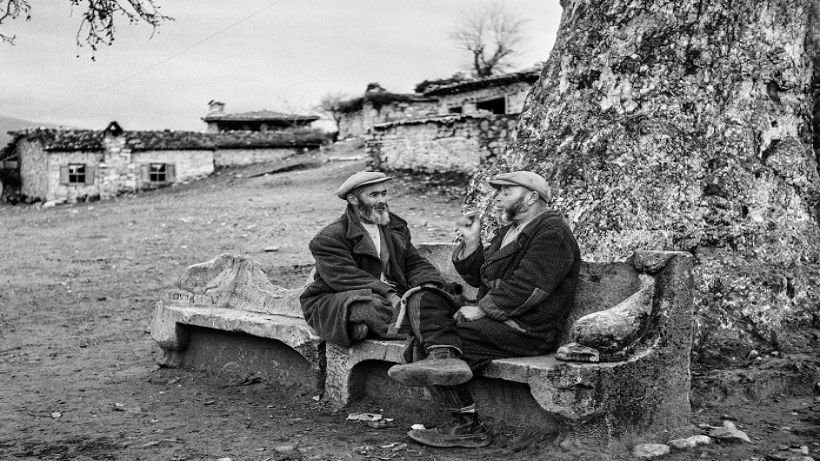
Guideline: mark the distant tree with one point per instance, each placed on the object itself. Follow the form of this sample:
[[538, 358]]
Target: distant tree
[[493, 34], [332, 105], [97, 26]]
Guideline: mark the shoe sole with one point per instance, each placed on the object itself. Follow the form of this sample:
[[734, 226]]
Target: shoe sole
[[414, 376], [419, 436]]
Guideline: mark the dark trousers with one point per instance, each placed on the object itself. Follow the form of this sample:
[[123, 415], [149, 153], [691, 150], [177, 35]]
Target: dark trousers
[[431, 318]]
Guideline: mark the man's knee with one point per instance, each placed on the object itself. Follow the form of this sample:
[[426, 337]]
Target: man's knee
[[435, 300]]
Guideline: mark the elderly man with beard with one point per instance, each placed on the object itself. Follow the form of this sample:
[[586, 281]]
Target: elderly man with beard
[[365, 263], [526, 277]]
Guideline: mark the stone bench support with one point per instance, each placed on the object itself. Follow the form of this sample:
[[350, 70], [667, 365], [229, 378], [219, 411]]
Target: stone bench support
[[169, 329]]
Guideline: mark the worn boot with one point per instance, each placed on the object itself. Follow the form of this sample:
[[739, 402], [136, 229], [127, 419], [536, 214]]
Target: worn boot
[[441, 367], [465, 430]]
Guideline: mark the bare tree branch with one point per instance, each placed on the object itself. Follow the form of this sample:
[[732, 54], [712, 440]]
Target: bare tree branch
[[331, 105], [98, 18], [12, 10], [492, 34]]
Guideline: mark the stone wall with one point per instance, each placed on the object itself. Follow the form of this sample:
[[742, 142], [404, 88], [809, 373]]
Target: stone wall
[[33, 167], [69, 192], [359, 123], [515, 95], [189, 164], [458, 143], [241, 157]]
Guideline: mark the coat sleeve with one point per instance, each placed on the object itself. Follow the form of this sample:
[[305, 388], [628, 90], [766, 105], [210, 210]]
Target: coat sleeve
[[338, 269], [470, 267], [417, 268], [547, 259]]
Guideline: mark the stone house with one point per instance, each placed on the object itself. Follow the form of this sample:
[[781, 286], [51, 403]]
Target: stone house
[[359, 115], [473, 121], [499, 94], [260, 121], [72, 165]]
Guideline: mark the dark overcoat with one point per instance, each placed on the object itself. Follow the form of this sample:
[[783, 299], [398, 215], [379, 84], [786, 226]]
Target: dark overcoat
[[348, 270], [529, 284]]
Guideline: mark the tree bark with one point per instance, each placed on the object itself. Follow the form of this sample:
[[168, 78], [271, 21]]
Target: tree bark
[[687, 125]]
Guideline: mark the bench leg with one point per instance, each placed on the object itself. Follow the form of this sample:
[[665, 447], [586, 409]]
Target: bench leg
[[339, 385], [171, 336], [314, 353]]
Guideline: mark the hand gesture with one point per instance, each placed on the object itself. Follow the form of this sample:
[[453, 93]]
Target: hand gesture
[[469, 313], [468, 229]]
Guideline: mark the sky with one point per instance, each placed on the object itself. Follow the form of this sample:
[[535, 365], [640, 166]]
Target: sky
[[280, 55]]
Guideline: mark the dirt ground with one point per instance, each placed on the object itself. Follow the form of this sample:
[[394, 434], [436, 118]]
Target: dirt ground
[[77, 372]]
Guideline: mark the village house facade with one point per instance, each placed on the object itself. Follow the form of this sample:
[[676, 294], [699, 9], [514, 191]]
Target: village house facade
[[500, 95], [359, 115], [469, 125], [72, 165]]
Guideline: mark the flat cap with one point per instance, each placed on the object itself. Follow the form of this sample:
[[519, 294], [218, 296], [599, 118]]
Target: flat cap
[[526, 179], [362, 178]]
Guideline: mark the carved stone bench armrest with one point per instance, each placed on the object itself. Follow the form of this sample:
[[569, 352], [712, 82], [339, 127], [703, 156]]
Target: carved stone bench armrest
[[616, 333]]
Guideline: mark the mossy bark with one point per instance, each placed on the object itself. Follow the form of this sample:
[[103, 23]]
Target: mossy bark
[[687, 125]]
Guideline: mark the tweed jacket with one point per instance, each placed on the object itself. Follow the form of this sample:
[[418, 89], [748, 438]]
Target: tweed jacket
[[531, 282], [348, 270]]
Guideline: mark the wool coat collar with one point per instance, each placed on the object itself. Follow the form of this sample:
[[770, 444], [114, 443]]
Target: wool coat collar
[[496, 253]]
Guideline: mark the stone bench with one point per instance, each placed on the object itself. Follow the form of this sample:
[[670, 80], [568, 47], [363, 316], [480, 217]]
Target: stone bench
[[207, 320], [641, 386]]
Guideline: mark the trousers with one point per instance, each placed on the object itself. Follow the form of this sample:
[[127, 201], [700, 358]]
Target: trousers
[[430, 314]]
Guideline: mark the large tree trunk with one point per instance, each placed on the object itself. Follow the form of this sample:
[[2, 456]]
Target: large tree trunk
[[687, 125]]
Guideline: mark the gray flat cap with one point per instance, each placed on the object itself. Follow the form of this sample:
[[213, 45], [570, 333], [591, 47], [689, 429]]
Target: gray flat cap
[[362, 178], [526, 179]]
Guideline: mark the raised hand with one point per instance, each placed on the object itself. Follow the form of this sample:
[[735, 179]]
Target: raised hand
[[468, 230]]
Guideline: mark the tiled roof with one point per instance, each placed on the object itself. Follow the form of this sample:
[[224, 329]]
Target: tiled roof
[[259, 116], [92, 140], [528, 75], [167, 140], [55, 139]]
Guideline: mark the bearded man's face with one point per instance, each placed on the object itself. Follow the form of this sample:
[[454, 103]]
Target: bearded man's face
[[510, 203], [371, 203]]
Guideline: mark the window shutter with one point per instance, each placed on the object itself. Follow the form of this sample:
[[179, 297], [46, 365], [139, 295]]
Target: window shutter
[[64, 174], [90, 173], [145, 173], [170, 172]]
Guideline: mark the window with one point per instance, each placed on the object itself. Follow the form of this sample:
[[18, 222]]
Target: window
[[495, 106], [157, 172], [76, 173], [455, 110]]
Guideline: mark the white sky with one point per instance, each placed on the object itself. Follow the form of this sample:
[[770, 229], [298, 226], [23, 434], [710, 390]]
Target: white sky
[[280, 55]]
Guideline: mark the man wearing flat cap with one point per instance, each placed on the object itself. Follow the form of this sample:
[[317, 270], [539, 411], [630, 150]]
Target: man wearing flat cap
[[526, 279], [365, 263]]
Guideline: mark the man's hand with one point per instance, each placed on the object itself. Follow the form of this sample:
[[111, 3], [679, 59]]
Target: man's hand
[[469, 313], [468, 229], [394, 300]]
